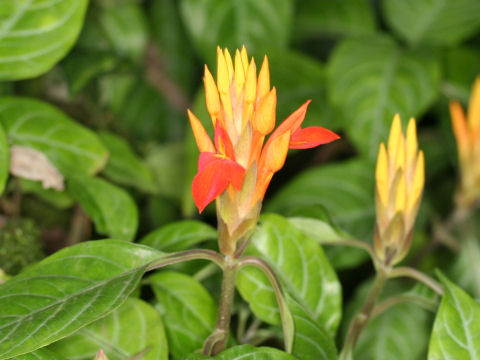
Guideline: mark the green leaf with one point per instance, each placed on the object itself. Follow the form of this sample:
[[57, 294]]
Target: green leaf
[[302, 268], [124, 166], [4, 159], [293, 91], [437, 22], [125, 28], [187, 308], [312, 341], [457, 326], [179, 235], [466, 266], [36, 34], [40, 354], [249, 352], [133, 328], [246, 352], [344, 189], [259, 25], [325, 17], [168, 31], [401, 333], [340, 257], [111, 208], [81, 67], [68, 290], [370, 80], [72, 148], [461, 69], [59, 199]]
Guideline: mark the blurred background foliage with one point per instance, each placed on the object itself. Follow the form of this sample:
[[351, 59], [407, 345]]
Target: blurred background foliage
[[137, 65]]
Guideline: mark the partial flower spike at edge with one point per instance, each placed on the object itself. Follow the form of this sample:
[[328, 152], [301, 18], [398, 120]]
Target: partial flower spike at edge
[[236, 167]]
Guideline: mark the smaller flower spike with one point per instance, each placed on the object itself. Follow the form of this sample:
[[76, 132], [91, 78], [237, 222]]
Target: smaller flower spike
[[236, 168], [467, 135], [399, 185]]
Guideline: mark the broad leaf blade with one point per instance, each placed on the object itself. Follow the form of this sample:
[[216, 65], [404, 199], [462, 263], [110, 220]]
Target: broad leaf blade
[[457, 326], [187, 308], [40, 354], [259, 25], [133, 328], [124, 166], [72, 148], [344, 189], [437, 22], [66, 291], [370, 80], [111, 208], [312, 341], [179, 235], [334, 18], [248, 352], [302, 268], [36, 34]]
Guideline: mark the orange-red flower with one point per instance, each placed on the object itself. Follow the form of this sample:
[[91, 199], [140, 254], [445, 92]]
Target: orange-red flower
[[237, 167]]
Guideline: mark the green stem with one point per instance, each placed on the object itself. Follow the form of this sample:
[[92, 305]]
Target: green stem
[[361, 319], [288, 324], [352, 243], [195, 254], [217, 341], [399, 299], [417, 275]]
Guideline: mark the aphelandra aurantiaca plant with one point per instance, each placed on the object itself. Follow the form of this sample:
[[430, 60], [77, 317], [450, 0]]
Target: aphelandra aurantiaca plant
[[235, 168], [398, 191]]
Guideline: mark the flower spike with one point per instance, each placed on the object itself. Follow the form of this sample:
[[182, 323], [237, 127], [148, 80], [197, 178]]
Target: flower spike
[[236, 168]]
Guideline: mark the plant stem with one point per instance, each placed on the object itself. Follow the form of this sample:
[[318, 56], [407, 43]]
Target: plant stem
[[417, 275], [217, 341], [361, 319], [195, 254], [399, 299], [288, 323]]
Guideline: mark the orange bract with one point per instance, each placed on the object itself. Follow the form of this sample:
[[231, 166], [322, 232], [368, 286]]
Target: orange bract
[[467, 135], [242, 108]]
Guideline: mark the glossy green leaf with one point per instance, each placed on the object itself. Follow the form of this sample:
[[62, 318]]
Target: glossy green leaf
[[124, 166], [325, 232], [325, 17], [435, 21], [59, 199], [259, 25], [312, 341], [133, 328], [72, 148], [188, 311], [246, 352], [344, 189], [35, 34], [4, 159], [125, 29], [111, 208], [401, 333], [179, 235], [302, 268], [40, 354], [456, 329], [293, 91], [466, 266], [68, 290], [370, 80]]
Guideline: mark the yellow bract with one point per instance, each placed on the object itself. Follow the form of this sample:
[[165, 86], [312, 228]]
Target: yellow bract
[[399, 184]]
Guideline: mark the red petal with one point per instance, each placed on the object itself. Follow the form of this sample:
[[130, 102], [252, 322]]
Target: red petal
[[215, 174], [311, 137], [223, 142]]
